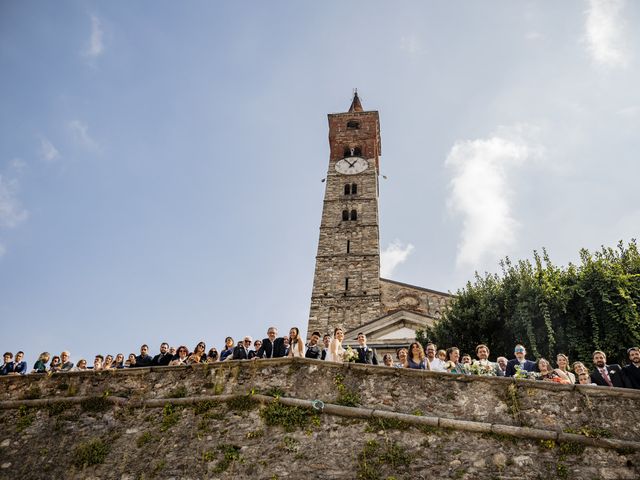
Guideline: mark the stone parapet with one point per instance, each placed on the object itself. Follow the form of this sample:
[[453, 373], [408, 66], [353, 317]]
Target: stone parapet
[[213, 421]]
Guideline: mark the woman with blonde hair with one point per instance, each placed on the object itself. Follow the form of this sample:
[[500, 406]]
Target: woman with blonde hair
[[402, 354], [41, 364], [296, 345], [563, 368]]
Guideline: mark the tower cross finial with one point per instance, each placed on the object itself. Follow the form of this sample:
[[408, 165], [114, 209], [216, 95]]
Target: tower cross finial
[[356, 106]]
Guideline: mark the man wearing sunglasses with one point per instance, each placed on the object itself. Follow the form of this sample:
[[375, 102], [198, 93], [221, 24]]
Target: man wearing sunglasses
[[527, 365], [243, 351]]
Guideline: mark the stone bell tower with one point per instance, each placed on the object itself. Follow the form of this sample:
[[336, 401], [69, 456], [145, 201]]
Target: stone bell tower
[[346, 283]]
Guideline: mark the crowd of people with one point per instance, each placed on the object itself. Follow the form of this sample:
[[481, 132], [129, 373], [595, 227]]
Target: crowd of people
[[330, 348]]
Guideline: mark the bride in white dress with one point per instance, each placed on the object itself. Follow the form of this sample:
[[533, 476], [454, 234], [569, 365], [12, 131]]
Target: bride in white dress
[[336, 352]]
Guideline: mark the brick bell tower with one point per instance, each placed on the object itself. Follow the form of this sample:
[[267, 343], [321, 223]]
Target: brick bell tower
[[346, 283]]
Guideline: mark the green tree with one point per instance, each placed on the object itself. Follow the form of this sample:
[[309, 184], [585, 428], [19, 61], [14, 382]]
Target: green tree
[[549, 309]]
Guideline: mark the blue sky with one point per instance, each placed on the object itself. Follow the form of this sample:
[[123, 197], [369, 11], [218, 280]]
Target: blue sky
[[160, 162]]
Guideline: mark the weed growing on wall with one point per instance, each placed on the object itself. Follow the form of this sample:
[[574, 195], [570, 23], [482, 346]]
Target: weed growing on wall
[[346, 397], [290, 418], [25, 418], [89, 453]]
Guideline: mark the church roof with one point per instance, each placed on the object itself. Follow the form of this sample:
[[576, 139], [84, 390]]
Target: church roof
[[444, 294], [356, 106]]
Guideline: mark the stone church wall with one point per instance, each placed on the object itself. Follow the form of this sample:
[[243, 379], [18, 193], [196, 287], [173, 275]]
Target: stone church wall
[[400, 296], [184, 422]]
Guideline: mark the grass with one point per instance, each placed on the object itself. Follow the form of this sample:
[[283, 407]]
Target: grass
[[89, 453], [277, 414]]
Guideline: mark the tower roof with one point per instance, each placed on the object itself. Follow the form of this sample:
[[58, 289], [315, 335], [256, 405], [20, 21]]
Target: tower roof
[[356, 106]]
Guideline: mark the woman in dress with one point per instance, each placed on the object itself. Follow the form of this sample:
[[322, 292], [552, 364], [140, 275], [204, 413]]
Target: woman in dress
[[563, 368], [416, 358], [81, 366], [108, 362], [198, 355], [296, 345], [336, 352], [55, 365], [41, 364], [227, 351], [387, 360], [212, 356], [131, 361], [453, 364], [181, 359], [402, 354], [119, 361], [547, 373]]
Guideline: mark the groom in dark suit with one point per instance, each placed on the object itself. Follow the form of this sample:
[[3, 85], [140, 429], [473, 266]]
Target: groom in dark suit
[[527, 365], [272, 347], [632, 371], [606, 375], [365, 354]]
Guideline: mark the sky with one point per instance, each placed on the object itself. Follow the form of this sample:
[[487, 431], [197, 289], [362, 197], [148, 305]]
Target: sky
[[161, 162]]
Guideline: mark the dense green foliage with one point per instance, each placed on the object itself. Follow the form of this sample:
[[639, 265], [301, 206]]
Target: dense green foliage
[[574, 310]]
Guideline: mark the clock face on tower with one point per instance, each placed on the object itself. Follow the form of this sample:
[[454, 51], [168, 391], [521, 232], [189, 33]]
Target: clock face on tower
[[351, 165]]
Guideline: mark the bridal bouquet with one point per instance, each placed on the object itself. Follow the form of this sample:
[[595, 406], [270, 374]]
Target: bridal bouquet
[[479, 367], [523, 374], [350, 355]]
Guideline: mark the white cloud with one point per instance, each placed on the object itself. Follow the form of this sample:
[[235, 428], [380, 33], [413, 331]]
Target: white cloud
[[17, 165], [80, 132], [392, 256], [11, 212], [480, 191], [604, 33], [48, 152], [96, 46], [630, 111], [410, 44]]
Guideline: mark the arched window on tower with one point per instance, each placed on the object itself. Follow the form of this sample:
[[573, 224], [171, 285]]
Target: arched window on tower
[[345, 215], [352, 152], [353, 125], [347, 189], [354, 215], [354, 188]]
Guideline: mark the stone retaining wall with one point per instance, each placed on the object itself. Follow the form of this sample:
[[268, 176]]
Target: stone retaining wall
[[133, 437]]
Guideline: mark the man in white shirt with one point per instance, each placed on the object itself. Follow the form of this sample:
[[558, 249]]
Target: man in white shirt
[[437, 365]]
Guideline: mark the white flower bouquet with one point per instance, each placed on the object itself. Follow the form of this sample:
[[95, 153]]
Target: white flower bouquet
[[350, 355]]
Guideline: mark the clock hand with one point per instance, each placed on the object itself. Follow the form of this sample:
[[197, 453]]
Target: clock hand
[[351, 164]]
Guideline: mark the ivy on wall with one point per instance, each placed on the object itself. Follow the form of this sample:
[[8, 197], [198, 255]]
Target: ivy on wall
[[550, 309]]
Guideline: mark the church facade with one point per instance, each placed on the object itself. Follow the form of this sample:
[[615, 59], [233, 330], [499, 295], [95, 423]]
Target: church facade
[[347, 288]]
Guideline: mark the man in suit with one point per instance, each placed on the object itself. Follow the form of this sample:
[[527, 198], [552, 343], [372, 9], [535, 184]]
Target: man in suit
[[501, 362], [313, 349], [65, 361], [144, 359], [606, 375], [482, 353], [365, 354], [164, 357], [326, 340], [7, 366], [632, 371], [527, 365], [243, 351], [272, 346], [19, 365]]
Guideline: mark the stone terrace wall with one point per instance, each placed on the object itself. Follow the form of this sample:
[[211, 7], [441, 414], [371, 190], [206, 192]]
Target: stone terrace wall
[[246, 439]]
